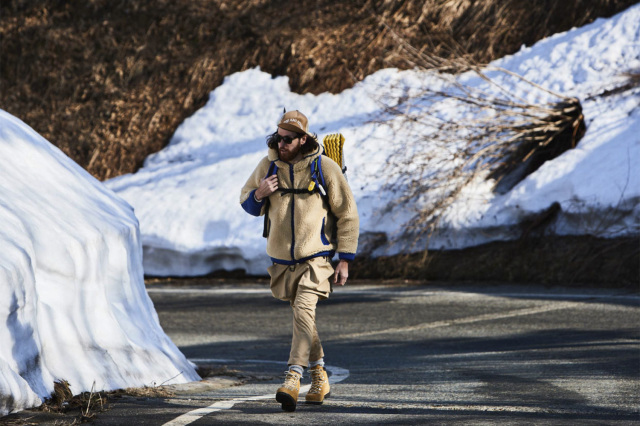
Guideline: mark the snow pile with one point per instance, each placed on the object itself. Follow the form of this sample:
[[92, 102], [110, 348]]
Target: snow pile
[[72, 301], [186, 196]]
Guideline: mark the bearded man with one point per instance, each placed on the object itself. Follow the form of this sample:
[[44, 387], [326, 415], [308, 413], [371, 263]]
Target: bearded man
[[310, 215]]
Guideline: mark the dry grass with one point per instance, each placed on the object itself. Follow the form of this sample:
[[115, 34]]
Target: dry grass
[[88, 404], [493, 135], [85, 406], [147, 392], [62, 400], [580, 261], [11, 420], [108, 81]]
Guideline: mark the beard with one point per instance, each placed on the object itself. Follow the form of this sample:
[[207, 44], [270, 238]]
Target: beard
[[287, 155]]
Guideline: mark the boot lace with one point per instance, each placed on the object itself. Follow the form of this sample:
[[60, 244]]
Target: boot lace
[[317, 380], [291, 380]]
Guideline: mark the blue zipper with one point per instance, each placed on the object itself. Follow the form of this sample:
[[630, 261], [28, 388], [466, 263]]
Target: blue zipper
[[293, 204]]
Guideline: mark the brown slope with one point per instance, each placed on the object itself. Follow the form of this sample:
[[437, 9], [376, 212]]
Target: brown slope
[[108, 81]]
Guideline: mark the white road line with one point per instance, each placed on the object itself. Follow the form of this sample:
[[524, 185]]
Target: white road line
[[462, 407], [399, 292], [337, 375], [466, 320], [209, 290], [565, 296]]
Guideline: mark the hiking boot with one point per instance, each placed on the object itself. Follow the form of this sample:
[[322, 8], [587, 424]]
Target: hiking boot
[[320, 388], [287, 394]]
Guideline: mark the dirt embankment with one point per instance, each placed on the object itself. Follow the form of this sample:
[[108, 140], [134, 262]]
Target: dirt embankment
[[551, 260], [108, 81]]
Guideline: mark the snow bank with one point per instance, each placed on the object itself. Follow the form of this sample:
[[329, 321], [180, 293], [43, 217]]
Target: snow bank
[[186, 196], [72, 295]]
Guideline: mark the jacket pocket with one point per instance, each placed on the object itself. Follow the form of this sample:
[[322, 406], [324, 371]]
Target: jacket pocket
[[323, 236]]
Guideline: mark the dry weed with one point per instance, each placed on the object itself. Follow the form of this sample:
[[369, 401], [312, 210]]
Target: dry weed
[[10, 421], [500, 137], [88, 404], [553, 260], [494, 135], [62, 400], [148, 392]]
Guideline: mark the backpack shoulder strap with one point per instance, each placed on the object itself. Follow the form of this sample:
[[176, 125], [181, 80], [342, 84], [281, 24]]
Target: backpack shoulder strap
[[273, 169], [317, 178], [320, 175]]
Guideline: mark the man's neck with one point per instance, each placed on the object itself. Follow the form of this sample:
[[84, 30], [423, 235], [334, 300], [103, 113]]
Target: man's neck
[[295, 160]]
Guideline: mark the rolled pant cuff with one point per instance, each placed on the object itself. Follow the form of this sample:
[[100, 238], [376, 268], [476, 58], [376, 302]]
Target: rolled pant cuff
[[304, 363]]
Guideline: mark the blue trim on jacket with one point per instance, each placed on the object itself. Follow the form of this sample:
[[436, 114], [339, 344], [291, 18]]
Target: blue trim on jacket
[[323, 238], [346, 256], [252, 206]]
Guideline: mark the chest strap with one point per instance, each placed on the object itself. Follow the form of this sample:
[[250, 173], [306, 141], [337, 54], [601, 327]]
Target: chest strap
[[293, 191]]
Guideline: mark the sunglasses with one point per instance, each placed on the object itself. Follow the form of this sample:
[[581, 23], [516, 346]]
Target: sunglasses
[[286, 139]]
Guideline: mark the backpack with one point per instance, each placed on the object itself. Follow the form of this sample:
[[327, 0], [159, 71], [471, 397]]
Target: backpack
[[333, 145]]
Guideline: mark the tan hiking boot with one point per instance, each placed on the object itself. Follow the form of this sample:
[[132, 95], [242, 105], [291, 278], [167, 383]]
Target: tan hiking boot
[[287, 394], [320, 388]]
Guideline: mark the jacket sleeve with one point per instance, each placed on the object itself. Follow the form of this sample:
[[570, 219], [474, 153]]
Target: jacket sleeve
[[247, 194], [343, 206]]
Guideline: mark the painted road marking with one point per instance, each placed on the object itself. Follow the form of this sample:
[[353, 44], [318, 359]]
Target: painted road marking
[[402, 292], [457, 321], [337, 375]]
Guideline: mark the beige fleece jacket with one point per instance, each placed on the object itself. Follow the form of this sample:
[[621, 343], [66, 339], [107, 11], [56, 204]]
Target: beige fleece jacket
[[302, 226]]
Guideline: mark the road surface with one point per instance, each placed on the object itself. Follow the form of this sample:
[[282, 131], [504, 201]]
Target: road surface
[[407, 354]]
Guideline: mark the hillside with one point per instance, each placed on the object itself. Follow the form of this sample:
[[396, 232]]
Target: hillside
[[569, 218], [109, 81]]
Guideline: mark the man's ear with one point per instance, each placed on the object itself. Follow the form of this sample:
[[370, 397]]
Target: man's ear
[[303, 140]]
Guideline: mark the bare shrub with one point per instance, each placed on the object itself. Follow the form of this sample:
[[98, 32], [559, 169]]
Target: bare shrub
[[460, 132]]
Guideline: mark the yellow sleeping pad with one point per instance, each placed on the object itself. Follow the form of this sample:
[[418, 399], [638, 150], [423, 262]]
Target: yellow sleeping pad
[[333, 145]]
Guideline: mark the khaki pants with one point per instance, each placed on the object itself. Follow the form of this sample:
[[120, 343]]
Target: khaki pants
[[302, 285]]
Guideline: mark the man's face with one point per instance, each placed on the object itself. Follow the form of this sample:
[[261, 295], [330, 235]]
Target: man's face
[[290, 152]]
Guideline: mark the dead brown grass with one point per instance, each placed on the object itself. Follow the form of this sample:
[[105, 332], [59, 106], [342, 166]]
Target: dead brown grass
[[148, 392], [108, 81], [494, 135], [87, 404], [11, 420], [552, 260], [84, 407]]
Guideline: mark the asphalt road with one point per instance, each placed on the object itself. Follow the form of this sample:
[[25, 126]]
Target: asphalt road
[[406, 354]]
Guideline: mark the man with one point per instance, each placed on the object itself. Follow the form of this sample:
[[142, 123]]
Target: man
[[311, 215]]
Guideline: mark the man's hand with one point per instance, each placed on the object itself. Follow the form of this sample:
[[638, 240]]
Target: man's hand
[[342, 272], [267, 187]]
